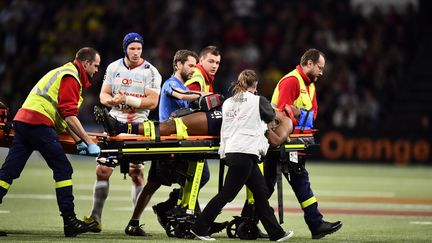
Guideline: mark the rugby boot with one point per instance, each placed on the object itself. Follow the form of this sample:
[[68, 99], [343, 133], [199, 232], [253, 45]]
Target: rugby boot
[[135, 230], [109, 123], [89, 220], [326, 228], [2, 233], [74, 226]]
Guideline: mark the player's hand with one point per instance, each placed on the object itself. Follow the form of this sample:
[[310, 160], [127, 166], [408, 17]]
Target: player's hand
[[93, 149], [81, 147], [120, 97]]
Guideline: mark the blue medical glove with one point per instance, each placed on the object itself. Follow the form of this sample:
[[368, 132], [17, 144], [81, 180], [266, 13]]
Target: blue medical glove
[[309, 119], [81, 147], [93, 149]]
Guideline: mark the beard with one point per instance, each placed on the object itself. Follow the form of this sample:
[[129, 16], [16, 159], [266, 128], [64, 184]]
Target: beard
[[313, 78], [185, 76]]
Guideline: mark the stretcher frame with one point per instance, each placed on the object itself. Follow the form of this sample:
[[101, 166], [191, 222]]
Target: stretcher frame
[[196, 149], [135, 148]]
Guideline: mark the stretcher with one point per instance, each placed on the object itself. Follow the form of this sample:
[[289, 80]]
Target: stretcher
[[122, 150]]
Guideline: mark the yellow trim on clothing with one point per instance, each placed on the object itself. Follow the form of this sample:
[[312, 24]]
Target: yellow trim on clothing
[[308, 202], [64, 183], [4, 184]]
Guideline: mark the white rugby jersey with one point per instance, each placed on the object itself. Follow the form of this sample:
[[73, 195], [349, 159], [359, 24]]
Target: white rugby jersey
[[133, 81]]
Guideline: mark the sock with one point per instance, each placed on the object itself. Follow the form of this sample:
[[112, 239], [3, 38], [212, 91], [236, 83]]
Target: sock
[[136, 190], [100, 194], [134, 222]]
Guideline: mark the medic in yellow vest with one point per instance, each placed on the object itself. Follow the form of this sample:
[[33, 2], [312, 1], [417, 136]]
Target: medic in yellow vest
[[52, 107], [203, 76], [298, 88]]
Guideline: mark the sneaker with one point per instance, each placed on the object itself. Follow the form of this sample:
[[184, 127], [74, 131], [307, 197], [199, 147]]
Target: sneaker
[[89, 220], [135, 230], [161, 216], [287, 235], [217, 227], [109, 123], [74, 226], [203, 237], [326, 228]]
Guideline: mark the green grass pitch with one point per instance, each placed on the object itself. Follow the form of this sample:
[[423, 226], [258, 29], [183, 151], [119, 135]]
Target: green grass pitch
[[377, 203]]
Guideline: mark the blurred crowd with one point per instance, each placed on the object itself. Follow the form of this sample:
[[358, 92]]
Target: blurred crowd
[[367, 52]]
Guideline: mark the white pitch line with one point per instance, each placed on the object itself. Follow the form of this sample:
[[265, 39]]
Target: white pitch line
[[4, 211], [421, 222], [287, 191]]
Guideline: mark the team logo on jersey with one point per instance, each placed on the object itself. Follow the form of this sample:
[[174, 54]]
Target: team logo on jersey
[[126, 81]]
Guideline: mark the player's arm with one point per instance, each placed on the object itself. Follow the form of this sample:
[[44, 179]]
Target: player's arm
[[105, 95], [151, 94], [186, 94], [279, 130], [150, 99]]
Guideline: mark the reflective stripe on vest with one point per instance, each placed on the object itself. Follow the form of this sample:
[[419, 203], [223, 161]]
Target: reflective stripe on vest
[[44, 95], [197, 77], [304, 101]]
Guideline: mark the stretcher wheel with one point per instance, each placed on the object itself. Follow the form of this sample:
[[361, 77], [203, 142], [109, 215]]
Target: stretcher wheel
[[232, 228], [248, 230], [170, 228], [182, 230]]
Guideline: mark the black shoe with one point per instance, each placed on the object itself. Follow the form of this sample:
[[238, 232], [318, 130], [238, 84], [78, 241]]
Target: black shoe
[[74, 226], [135, 230], [2, 233], [217, 227], [161, 216], [109, 123], [326, 228], [262, 234]]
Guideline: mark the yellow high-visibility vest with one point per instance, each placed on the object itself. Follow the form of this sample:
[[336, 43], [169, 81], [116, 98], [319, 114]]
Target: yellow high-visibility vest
[[304, 101], [43, 98], [198, 77]]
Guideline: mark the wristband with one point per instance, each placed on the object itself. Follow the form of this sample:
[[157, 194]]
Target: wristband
[[133, 101]]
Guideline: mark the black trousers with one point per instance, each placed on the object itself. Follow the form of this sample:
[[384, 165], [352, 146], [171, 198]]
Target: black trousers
[[28, 138], [242, 170], [301, 186]]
